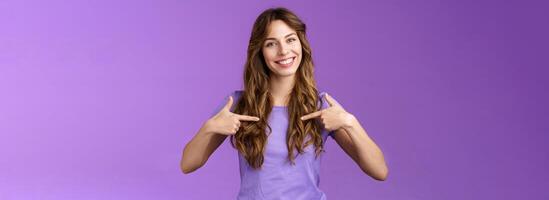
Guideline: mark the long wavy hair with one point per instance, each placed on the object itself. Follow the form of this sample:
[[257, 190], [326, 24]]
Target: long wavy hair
[[256, 100]]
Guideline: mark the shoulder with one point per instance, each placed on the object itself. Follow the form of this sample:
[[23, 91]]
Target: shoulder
[[322, 99], [323, 105], [237, 94], [321, 94]]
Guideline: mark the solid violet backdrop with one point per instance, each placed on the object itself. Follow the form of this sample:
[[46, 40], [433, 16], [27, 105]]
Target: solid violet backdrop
[[98, 98]]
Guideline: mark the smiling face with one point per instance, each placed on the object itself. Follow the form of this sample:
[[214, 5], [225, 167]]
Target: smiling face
[[282, 49]]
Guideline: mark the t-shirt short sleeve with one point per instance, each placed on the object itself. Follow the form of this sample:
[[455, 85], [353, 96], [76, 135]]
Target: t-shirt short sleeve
[[235, 94], [323, 105]]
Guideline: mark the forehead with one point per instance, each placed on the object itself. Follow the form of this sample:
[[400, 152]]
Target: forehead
[[279, 29]]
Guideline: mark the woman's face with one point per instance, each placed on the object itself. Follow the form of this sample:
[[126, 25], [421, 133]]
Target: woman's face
[[282, 49]]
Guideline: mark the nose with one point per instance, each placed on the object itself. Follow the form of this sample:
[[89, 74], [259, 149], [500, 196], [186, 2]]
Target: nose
[[283, 50]]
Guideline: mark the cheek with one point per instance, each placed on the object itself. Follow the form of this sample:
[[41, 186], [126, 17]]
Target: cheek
[[298, 47], [298, 51], [269, 55]]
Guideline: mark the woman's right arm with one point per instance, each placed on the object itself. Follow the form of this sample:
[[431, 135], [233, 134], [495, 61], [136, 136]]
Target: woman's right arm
[[199, 149], [210, 136]]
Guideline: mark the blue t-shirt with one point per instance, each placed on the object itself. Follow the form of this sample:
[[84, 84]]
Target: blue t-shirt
[[278, 179]]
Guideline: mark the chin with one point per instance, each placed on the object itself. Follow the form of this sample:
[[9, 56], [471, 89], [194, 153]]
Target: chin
[[286, 72]]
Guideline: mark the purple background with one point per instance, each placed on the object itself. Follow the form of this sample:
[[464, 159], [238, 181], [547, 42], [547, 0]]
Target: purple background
[[98, 98]]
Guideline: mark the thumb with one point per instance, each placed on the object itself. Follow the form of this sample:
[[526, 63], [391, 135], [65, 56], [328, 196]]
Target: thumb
[[229, 104], [331, 100]]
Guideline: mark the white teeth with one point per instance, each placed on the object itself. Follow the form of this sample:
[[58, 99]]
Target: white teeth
[[287, 61]]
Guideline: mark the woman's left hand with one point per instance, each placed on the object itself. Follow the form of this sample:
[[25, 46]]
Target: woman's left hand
[[333, 117]]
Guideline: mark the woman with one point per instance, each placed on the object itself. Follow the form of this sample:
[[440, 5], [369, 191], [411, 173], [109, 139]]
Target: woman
[[280, 122]]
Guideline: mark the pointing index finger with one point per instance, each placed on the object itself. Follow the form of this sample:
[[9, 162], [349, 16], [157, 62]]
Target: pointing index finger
[[246, 118], [312, 115]]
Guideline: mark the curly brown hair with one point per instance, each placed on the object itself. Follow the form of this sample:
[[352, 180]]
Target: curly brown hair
[[251, 138]]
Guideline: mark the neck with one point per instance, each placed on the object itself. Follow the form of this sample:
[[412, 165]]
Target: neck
[[280, 89]]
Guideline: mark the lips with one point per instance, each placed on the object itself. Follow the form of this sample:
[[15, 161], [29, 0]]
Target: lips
[[286, 62]]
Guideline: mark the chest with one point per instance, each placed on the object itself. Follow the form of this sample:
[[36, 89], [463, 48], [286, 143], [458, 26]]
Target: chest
[[276, 149]]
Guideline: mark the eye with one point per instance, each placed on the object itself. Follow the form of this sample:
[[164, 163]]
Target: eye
[[291, 40], [270, 44]]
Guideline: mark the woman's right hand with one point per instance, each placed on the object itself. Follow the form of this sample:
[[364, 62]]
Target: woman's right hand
[[225, 122]]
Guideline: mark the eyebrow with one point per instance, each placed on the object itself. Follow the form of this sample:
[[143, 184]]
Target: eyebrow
[[284, 36]]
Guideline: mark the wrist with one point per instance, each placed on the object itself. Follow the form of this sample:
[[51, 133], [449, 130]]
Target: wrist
[[349, 122], [206, 128]]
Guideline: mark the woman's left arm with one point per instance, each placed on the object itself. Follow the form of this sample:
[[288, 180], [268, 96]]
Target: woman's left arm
[[352, 138]]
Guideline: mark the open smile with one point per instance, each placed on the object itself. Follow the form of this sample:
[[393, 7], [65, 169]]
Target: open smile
[[286, 62]]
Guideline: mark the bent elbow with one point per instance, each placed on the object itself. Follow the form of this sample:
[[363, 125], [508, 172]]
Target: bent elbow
[[185, 167], [186, 170], [189, 167], [382, 176]]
